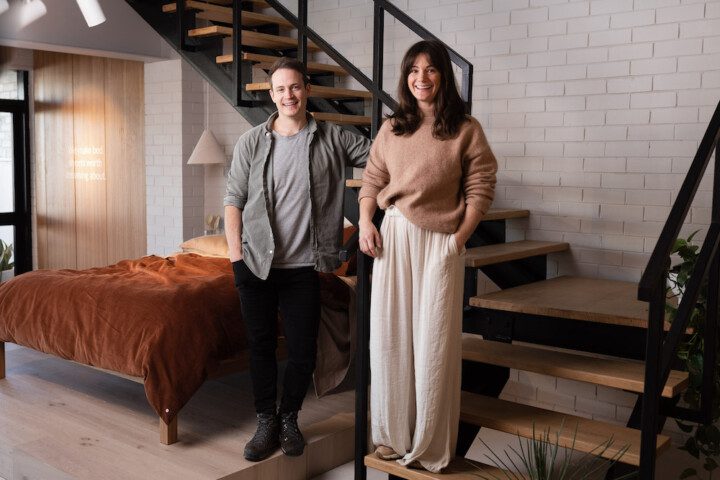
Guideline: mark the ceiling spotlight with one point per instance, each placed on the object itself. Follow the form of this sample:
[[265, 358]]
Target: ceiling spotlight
[[92, 12], [4, 6], [31, 10]]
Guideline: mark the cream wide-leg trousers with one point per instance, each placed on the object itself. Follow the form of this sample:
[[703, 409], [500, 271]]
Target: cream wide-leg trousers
[[415, 342]]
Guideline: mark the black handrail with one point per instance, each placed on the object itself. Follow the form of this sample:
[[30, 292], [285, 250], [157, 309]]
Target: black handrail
[[661, 353], [658, 260]]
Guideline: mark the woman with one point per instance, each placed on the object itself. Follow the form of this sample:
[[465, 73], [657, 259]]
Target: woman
[[433, 173]]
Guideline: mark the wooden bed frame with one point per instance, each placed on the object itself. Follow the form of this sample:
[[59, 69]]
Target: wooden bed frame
[[169, 432]]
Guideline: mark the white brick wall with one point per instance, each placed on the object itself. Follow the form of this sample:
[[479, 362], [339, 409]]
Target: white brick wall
[[180, 196]]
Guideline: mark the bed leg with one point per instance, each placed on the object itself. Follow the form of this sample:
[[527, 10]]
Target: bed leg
[[2, 359], [168, 432]]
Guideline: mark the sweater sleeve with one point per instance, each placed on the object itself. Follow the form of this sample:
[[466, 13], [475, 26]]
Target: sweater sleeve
[[479, 169], [375, 176]]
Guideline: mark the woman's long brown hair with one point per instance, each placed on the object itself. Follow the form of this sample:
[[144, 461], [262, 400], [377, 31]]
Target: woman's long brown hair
[[449, 107]]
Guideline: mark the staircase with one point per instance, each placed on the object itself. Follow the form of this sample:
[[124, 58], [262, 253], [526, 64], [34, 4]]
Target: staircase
[[528, 326], [547, 326], [204, 33]]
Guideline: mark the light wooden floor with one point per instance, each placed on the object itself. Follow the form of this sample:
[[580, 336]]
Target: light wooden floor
[[61, 421]]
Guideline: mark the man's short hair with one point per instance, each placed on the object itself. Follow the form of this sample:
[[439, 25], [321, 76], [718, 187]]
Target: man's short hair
[[292, 64]]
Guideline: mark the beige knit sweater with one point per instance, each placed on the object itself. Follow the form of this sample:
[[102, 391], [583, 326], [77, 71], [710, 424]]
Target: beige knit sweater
[[429, 180]]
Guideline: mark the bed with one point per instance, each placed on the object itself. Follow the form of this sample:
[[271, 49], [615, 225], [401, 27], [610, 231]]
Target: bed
[[169, 323]]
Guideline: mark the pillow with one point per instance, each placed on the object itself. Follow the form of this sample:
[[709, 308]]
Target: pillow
[[208, 245]]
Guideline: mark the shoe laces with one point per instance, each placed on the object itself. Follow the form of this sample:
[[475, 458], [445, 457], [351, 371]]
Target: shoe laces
[[265, 427], [289, 423]]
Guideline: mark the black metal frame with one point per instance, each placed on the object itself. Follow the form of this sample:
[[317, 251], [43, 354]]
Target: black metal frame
[[21, 216], [661, 352]]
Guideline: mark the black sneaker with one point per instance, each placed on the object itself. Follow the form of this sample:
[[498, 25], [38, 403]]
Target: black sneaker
[[291, 440], [265, 440]]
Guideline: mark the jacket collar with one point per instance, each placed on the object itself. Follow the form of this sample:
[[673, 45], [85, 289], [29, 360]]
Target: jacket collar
[[312, 124]]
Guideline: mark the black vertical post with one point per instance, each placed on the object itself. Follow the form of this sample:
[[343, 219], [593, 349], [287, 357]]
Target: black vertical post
[[182, 23], [651, 396], [466, 88], [22, 181], [711, 326], [378, 41], [237, 51], [302, 31], [362, 364]]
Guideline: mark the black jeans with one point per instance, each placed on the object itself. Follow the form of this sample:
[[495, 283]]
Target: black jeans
[[296, 291]]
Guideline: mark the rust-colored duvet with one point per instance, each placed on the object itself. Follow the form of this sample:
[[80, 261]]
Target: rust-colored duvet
[[167, 320]]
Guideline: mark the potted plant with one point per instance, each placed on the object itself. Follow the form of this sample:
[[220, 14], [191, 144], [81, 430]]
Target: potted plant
[[703, 441], [538, 458], [6, 266]]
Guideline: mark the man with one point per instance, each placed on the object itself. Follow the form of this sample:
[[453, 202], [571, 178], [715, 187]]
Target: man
[[283, 221]]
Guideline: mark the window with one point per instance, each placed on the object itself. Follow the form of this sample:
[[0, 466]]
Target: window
[[15, 210]]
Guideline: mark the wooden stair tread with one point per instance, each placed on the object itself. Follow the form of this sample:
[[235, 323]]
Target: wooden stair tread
[[574, 298], [341, 119], [250, 38], [316, 91], [611, 372], [518, 419], [219, 13], [506, 252], [504, 214], [459, 469], [265, 61]]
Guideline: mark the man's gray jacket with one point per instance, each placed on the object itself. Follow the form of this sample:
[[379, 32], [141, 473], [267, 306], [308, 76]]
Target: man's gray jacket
[[250, 188]]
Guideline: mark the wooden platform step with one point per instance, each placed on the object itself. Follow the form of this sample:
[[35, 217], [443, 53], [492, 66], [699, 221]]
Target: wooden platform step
[[265, 61], [250, 38], [459, 469], [218, 13], [575, 298], [318, 91], [506, 252], [517, 419], [342, 119], [610, 372]]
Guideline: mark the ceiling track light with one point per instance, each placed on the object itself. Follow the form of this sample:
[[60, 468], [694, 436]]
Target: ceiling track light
[[31, 11], [92, 12]]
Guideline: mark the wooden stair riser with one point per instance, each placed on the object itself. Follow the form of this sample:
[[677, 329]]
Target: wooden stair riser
[[477, 257], [517, 419], [250, 38], [459, 469], [610, 372], [222, 14], [317, 91], [265, 61]]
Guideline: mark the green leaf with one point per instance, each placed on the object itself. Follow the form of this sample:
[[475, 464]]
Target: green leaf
[[710, 464], [687, 473], [691, 447], [684, 426]]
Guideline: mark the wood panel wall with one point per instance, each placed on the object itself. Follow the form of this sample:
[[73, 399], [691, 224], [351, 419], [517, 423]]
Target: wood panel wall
[[89, 148]]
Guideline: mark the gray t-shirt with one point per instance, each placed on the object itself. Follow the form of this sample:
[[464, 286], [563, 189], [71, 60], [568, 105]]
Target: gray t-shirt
[[291, 185]]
